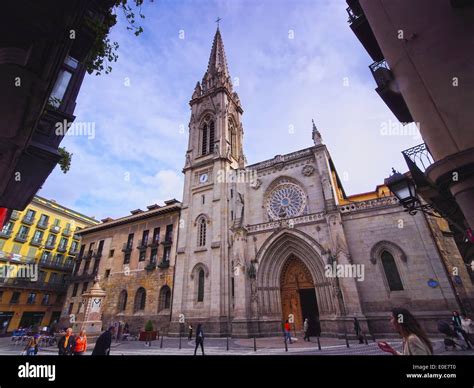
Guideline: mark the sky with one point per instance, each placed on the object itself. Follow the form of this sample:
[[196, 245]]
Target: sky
[[290, 61]]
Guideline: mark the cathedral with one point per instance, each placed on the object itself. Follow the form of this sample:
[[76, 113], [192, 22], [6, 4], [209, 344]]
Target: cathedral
[[280, 239]]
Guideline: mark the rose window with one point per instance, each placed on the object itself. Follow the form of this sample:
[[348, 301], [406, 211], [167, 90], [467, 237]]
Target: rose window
[[287, 200]]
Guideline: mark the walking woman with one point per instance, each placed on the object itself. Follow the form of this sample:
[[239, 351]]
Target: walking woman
[[199, 339], [415, 340], [457, 324], [31, 348], [80, 344]]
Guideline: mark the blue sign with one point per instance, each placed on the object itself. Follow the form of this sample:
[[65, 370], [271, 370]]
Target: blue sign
[[433, 283]]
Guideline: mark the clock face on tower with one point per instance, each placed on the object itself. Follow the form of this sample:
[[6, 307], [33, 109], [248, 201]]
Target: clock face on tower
[[203, 178]]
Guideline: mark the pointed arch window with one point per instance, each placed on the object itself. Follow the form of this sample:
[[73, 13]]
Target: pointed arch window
[[207, 136], [140, 300], [233, 139], [202, 229], [391, 272], [200, 294], [122, 304]]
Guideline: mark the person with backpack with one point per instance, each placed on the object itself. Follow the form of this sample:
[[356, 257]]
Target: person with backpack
[[199, 339]]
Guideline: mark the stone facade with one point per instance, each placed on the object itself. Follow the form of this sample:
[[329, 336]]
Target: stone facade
[[257, 218], [119, 274]]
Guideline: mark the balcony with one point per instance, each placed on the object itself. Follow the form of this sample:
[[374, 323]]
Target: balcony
[[127, 247], [142, 245], [154, 242], [73, 251], [36, 241], [38, 285], [76, 237], [50, 245], [6, 234], [15, 215], [150, 266], [55, 264], [87, 255], [168, 241], [83, 277], [164, 264], [55, 229], [66, 232], [42, 224], [362, 30], [387, 89], [21, 237], [28, 220], [62, 248], [97, 254]]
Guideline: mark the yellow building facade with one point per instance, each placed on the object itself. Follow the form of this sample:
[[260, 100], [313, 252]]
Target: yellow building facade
[[38, 247]]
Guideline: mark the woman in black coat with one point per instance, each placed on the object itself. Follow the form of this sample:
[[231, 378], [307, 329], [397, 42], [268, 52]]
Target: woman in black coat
[[103, 343], [199, 339]]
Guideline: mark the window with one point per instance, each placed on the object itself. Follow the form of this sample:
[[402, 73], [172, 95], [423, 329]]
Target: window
[[8, 228], [91, 246], [207, 136], [166, 254], [164, 298], [145, 237], [233, 139], [62, 243], [23, 232], [130, 241], [84, 287], [74, 245], [111, 253], [232, 215], [63, 81], [122, 303], [156, 235], [107, 273], [69, 310], [74, 290], [231, 193], [51, 240], [79, 305], [15, 297], [86, 266], [203, 199], [45, 300], [81, 252], [142, 255], [391, 272], [43, 221], [140, 300], [96, 266], [202, 228], [100, 247], [37, 237], [126, 258], [31, 298], [169, 232], [45, 256], [30, 215], [42, 276], [1, 295], [56, 222], [53, 278], [200, 295], [154, 254]]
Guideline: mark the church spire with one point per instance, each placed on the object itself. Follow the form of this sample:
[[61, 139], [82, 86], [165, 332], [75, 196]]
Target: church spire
[[318, 140], [217, 74]]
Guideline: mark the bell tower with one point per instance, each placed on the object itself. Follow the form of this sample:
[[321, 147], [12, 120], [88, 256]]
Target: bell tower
[[202, 291]]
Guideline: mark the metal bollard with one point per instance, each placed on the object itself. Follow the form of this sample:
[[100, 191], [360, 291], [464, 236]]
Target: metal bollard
[[227, 343], [254, 344], [161, 343], [319, 344], [347, 341]]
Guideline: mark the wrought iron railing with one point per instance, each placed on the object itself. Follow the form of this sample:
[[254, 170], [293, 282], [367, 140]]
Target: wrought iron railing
[[420, 155]]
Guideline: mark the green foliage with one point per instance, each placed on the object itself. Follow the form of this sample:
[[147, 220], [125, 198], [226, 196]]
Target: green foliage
[[104, 51], [65, 161], [149, 326]]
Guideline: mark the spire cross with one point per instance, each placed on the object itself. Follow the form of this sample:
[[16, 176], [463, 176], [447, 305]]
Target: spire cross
[[217, 21]]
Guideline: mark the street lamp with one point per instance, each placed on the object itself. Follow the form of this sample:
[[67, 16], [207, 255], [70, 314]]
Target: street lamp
[[404, 189]]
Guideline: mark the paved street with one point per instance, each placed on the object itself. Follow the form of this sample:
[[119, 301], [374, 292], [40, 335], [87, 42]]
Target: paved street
[[217, 346]]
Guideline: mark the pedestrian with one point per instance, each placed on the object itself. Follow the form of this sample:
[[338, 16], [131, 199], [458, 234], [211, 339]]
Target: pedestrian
[[66, 343], [80, 344], [190, 333], [103, 343], [415, 340], [287, 330], [199, 339], [358, 331], [467, 326], [457, 324], [306, 330], [31, 348]]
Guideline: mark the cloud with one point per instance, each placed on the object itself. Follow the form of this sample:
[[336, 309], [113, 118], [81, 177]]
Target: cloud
[[141, 112]]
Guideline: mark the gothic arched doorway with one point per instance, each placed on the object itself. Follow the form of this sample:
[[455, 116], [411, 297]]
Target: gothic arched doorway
[[298, 296]]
